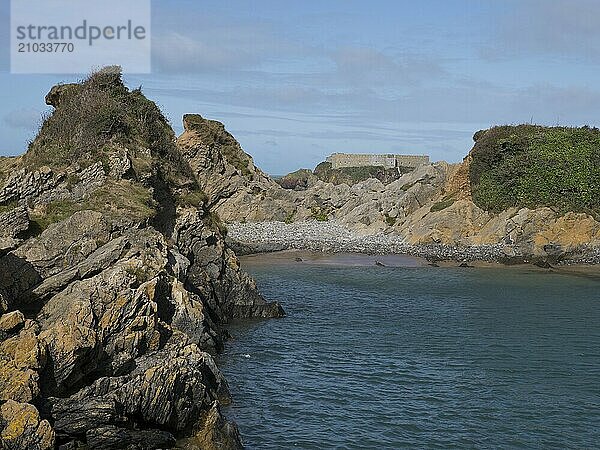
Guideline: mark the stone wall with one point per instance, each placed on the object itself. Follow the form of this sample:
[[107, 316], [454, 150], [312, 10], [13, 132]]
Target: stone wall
[[388, 161]]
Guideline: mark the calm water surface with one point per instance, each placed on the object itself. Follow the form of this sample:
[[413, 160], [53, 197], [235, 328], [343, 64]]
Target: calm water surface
[[405, 357]]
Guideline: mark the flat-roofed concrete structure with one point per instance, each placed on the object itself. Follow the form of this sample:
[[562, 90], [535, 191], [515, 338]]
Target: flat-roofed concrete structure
[[339, 160]]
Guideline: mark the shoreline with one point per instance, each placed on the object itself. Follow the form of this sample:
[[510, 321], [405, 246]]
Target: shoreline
[[295, 256], [331, 238], [308, 257]]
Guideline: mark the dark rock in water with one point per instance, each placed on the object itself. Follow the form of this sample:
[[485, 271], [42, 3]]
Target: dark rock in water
[[379, 263], [465, 264], [298, 260]]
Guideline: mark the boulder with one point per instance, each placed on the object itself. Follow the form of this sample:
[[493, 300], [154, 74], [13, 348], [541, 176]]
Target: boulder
[[57, 93], [14, 222], [11, 322], [22, 428], [23, 356]]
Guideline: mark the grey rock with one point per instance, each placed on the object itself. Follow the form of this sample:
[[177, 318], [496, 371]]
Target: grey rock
[[113, 438], [14, 222], [53, 98]]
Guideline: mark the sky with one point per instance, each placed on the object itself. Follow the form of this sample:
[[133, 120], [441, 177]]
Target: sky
[[295, 81]]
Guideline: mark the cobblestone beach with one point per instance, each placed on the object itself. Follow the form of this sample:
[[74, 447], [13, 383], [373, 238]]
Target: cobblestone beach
[[330, 237]]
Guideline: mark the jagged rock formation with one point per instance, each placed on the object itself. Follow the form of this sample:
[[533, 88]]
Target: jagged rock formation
[[431, 205], [115, 283], [242, 192], [234, 185]]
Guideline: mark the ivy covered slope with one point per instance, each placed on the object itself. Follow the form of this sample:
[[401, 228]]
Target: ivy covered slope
[[532, 166], [115, 283]]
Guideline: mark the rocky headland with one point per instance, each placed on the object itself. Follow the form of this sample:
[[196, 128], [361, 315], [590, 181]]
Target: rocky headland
[[523, 193], [116, 283], [118, 275]]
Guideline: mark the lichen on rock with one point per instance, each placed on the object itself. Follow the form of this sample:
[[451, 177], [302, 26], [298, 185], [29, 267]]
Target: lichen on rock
[[115, 281]]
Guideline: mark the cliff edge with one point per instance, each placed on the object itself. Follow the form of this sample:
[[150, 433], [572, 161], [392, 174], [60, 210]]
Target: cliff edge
[[115, 283], [531, 190]]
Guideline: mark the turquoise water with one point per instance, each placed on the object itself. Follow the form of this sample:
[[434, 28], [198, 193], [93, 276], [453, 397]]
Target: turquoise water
[[405, 357]]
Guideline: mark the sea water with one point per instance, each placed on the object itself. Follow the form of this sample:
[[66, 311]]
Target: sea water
[[413, 356]]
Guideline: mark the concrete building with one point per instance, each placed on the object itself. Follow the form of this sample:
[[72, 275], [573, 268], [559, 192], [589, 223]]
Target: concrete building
[[339, 160]]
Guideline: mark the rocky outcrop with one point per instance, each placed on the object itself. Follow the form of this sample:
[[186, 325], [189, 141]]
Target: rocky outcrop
[[22, 428], [227, 174], [245, 193], [432, 205], [116, 286]]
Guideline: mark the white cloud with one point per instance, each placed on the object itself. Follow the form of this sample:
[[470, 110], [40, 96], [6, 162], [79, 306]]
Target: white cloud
[[560, 28], [210, 45]]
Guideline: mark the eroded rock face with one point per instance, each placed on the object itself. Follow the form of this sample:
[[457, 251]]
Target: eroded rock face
[[23, 356], [131, 312], [115, 286], [234, 185], [431, 205], [23, 428]]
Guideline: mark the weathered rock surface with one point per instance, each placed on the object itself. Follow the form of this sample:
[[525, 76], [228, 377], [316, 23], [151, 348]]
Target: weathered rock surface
[[22, 428], [431, 205], [227, 174], [115, 286]]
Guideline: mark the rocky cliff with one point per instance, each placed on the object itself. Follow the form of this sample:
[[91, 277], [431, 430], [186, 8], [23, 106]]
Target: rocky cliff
[[115, 282], [447, 204]]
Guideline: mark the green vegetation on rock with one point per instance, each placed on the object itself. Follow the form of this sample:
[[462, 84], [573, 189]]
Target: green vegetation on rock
[[7, 207], [99, 116], [446, 202], [353, 175], [211, 131], [196, 199], [101, 121], [391, 221], [290, 217], [533, 166], [319, 214], [121, 197], [8, 165]]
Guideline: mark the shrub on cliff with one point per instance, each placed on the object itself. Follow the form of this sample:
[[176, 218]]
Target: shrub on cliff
[[533, 166], [298, 180], [353, 175], [98, 115]]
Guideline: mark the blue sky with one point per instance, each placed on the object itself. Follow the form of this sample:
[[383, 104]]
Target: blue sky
[[297, 80]]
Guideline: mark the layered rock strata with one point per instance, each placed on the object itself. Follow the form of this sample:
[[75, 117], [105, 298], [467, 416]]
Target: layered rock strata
[[115, 283]]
